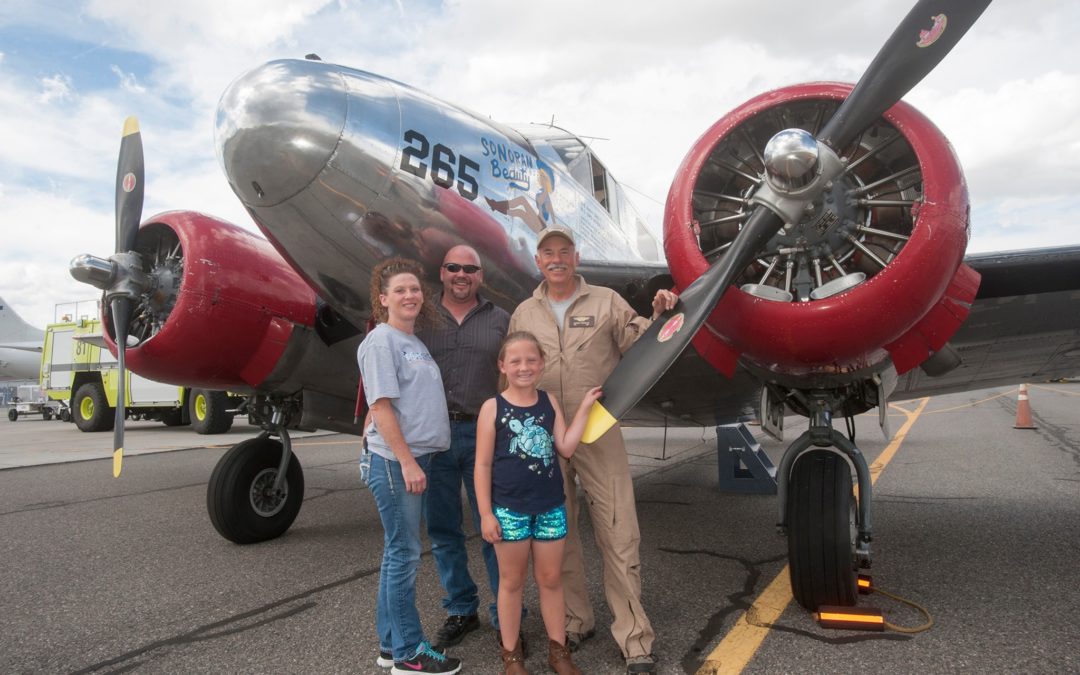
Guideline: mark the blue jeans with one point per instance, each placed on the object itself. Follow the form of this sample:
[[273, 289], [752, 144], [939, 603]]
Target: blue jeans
[[445, 520], [396, 618]]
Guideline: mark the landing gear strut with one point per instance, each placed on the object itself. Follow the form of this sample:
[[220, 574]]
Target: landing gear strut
[[257, 487], [828, 530]]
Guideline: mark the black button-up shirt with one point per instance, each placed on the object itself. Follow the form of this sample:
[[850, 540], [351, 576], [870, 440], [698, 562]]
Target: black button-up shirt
[[467, 354]]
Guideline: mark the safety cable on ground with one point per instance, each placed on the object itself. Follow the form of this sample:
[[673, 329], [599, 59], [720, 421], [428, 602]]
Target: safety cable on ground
[[868, 618], [904, 629]]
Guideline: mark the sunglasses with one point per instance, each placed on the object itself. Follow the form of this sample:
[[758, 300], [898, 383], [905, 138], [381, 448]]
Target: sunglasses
[[454, 268]]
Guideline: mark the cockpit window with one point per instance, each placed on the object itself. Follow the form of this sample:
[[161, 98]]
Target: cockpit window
[[569, 148]]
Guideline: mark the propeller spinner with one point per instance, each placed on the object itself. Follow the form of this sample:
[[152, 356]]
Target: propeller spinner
[[797, 176]]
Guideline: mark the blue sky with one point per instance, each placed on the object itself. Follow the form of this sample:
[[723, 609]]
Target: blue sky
[[647, 78]]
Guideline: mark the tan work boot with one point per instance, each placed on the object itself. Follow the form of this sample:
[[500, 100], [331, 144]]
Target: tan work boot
[[513, 660], [559, 659]]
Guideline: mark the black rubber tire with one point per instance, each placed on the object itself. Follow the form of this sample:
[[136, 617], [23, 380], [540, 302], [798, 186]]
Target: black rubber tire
[[12, 414], [240, 480], [46, 414], [173, 418], [102, 417], [65, 415], [209, 411], [821, 531]]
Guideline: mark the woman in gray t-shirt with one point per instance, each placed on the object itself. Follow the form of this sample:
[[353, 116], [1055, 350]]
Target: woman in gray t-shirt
[[408, 423]]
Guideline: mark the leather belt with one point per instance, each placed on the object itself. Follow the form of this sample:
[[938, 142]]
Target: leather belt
[[456, 416]]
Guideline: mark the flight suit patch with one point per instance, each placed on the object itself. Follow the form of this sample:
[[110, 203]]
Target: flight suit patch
[[582, 321]]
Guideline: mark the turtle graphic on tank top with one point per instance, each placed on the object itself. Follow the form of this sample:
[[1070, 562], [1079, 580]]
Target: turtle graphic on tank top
[[531, 440]]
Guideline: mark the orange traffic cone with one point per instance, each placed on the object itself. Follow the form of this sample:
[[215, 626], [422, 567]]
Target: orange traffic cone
[[1023, 410]]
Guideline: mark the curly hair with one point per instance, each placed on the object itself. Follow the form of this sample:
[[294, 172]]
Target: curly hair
[[380, 279]]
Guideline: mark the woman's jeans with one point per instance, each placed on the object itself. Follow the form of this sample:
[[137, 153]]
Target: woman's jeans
[[396, 618]]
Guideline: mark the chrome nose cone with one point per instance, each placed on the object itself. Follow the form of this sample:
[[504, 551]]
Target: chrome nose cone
[[790, 157], [277, 127]]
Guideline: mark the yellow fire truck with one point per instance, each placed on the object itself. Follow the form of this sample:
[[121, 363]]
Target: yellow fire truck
[[79, 371]]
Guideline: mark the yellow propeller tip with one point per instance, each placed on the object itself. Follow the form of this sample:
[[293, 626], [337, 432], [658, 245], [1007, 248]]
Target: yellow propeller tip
[[600, 421], [117, 460], [131, 126]]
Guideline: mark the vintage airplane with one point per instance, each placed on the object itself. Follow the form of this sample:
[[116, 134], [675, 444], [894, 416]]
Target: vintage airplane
[[20, 346], [817, 234]]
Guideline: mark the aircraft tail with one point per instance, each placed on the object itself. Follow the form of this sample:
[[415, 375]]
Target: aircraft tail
[[14, 329]]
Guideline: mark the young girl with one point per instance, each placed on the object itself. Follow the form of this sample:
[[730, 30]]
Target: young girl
[[519, 491], [408, 425]]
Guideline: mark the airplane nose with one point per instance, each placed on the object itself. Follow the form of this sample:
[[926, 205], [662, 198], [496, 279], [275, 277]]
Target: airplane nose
[[278, 126]]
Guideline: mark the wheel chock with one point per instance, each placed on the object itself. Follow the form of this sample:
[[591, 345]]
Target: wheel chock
[[865, 584], [850, 618]]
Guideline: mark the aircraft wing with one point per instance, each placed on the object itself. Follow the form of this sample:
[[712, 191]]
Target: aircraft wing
[[23, 346], [1023, 327]]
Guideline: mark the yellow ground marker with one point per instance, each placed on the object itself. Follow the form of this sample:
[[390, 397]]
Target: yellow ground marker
[[746, 636]]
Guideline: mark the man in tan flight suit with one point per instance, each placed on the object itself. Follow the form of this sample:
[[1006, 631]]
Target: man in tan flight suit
[[584, 331]]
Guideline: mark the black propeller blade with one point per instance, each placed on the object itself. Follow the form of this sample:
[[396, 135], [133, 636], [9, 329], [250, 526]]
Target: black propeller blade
[[923, 38], [122, 296], [129, 186]]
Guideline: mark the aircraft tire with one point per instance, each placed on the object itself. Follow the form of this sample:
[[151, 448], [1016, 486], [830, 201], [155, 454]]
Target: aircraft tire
[[12, 414], [91, 408], [209, 411], [47, 414], [821, 531], [237, 497]]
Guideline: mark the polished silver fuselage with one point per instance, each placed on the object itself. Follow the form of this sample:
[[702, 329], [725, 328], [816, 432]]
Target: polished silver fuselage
[[341, 169]]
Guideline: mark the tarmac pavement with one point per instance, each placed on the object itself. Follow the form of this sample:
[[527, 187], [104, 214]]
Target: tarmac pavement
[[974, 520]]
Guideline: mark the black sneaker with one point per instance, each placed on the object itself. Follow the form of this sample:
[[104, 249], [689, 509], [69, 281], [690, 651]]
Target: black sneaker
[[385, 660], [427, 661], [574, 640], [455, 628], [641, 664]]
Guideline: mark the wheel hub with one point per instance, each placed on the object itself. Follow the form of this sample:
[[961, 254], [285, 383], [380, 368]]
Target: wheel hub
[[265, 501]]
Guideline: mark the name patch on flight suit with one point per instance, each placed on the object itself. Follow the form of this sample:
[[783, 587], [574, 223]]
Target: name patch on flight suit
[[582, 321]]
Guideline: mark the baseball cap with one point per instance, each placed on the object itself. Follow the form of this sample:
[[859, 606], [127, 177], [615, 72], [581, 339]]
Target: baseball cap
[[553, 231]]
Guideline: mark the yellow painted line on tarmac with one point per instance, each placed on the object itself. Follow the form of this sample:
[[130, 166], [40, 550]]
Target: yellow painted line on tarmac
[[1054, 389], [973, 403], [743, 640], [887, 454]]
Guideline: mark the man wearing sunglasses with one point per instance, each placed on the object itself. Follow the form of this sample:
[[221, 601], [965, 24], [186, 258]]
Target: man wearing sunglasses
[[464, 341]]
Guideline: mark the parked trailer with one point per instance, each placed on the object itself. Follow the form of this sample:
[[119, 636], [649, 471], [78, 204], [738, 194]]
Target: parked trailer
[[30, 401]]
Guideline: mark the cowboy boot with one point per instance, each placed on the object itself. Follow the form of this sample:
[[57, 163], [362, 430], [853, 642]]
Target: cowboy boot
[[513, 660], [559, 659]]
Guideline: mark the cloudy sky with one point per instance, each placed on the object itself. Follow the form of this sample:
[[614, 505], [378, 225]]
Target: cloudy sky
[[648, 78]]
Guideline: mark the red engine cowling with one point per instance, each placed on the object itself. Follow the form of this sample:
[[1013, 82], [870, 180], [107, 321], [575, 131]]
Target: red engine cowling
[[872, 272], [223, 307]]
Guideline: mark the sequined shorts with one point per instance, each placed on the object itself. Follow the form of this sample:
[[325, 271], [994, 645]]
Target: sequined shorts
[[546, 526]]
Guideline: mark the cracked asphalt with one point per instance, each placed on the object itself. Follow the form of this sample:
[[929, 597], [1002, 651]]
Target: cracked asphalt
[[975, 520]]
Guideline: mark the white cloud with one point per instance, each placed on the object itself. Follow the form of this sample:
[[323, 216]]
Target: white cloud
[[52, 229], [128, 81], [55, 88], [651, 77]]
